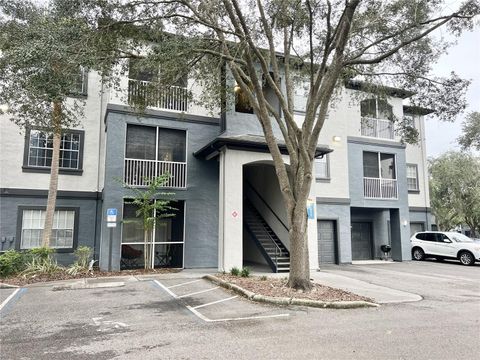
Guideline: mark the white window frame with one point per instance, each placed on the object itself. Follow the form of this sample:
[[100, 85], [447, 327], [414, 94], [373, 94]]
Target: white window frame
[[325, 162], [413, 166], [64, 220], [46, 148]]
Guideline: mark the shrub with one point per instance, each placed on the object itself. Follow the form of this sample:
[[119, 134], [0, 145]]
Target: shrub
[[235, 271], [245, 272], [263, 278], [41, 262], [12, 262], [83, 254]]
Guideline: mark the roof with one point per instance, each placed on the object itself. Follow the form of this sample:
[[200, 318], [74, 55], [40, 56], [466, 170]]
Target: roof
[[417, 110], [247, 142], [368, 87]]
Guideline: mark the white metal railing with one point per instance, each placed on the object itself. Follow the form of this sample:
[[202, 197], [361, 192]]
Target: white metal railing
[[152, 95], [137, 171], [377, 188], [378, 128]]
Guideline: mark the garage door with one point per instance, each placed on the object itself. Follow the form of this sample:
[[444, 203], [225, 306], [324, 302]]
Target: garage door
[[362, 241], [326, 242], [416, 227]]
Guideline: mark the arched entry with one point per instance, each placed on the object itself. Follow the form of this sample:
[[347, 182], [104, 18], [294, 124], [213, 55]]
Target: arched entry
[[265, 232]]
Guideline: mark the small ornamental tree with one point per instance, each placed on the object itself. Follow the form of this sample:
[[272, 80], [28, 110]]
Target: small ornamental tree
[[278, 43], [150, 207]]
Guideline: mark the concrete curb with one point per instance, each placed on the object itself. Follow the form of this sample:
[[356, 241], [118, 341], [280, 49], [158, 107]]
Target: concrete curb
[[8, 286], [289, 301]]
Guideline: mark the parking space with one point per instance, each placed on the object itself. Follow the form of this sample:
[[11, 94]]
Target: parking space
[[212, 303]]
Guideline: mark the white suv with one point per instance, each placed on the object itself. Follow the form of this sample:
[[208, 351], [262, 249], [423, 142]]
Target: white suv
[[445, 245]]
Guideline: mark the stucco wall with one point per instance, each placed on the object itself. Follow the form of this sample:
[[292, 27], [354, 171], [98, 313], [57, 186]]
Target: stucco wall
[[12, 142], [201, 195], [87, 232], [341, 214]]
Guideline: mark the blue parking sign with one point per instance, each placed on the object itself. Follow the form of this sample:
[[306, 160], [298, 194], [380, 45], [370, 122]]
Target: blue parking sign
[[112, 211]]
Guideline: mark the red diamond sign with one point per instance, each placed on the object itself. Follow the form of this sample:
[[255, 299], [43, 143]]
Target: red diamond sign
[[234, 214]]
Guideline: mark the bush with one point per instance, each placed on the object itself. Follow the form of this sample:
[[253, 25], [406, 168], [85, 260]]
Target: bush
[[235, 271], [83, 254], [263, 278], [41, 262], [245, 272], [12, 262]]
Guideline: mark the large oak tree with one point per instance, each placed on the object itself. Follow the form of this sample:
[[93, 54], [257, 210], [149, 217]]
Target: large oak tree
[[278, 43]]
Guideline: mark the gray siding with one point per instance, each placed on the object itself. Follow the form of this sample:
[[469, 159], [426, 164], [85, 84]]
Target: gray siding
[[356, 147], [86, 225], [340, 213], [201, 195]]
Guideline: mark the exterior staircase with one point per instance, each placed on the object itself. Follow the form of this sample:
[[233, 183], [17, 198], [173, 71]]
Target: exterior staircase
[[276, 254]]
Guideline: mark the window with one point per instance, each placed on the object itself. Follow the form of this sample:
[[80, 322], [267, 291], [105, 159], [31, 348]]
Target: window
[[81, 85], [322, 169], [376, 108], [379, 165], [242, 104], [152, 143], [33, 221], [39, 150], [412, 177], [165, 243]]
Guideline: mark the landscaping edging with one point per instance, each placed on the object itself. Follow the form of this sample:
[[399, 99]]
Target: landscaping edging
[[289, 301]]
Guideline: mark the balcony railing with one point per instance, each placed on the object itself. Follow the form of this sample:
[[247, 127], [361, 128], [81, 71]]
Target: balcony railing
[[152, 95], [376, 188], [137, 171], [378, 128]]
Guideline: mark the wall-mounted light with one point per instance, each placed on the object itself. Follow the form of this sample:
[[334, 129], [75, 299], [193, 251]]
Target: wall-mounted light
[[336, 139], [236, 88], [405, 222]]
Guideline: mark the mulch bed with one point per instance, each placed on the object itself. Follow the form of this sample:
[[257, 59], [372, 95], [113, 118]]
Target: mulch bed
[[278, 288], [20, 280]]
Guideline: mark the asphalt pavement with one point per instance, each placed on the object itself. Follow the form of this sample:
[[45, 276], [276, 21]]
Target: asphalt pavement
[[153, 319]]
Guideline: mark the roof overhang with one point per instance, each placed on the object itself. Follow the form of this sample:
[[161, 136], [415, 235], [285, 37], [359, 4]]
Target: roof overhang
[[416, 110], [247, 142], [368, 87]]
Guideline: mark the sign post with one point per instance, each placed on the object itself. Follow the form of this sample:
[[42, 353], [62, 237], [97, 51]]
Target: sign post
[[111, 223]]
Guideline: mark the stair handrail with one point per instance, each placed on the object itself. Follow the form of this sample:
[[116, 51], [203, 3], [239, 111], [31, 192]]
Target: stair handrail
[[277, 248], [265, 202]]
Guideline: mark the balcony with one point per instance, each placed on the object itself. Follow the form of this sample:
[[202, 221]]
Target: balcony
[[378, 188], [155, 96], [377, 128], [137, 171]]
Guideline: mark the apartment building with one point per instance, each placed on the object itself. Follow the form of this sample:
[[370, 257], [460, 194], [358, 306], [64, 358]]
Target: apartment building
[[370, 189]]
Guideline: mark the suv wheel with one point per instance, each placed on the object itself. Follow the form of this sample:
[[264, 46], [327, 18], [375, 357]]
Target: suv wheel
[[418, 254], [466, 258]]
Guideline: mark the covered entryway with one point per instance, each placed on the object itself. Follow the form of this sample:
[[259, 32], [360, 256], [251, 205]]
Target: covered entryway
[[327, 243], [362, 241]]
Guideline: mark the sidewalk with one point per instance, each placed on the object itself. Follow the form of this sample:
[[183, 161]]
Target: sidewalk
[[381, 294]]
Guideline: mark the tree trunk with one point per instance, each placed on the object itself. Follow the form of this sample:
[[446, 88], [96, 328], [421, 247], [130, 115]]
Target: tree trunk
[[299, 277], [53, 187]]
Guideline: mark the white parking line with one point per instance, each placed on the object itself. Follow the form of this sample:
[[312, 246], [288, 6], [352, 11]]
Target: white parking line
[[198, 292], [185, 283], [215, 302], [8, 299], [194, 311]]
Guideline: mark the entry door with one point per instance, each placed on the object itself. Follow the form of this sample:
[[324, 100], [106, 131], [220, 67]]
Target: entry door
[[362, 241], [326, 242]]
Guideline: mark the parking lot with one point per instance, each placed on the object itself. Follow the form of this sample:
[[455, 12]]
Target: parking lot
[[182, 317]]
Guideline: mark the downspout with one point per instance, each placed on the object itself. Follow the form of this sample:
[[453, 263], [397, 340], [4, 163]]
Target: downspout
[[98, 169], [425, 170]]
